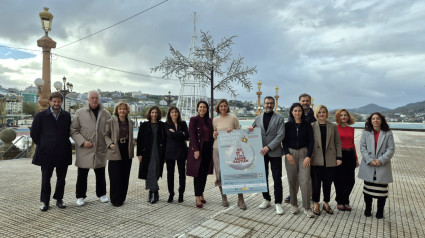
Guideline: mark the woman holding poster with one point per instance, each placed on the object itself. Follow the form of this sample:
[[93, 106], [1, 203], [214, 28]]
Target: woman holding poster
[[298, 149], [224, 122]]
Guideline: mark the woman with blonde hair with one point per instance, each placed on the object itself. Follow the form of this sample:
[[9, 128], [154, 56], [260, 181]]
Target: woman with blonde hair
[[326, 156], [344, 174], [120, 151]]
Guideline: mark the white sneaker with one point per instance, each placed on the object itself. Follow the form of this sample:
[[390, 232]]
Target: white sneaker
[[309, 213], [80, 202], [294, 210], [264, 204], [104, 199], [279, 209]]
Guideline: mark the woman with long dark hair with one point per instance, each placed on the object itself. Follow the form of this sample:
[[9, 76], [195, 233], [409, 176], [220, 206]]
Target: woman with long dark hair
[[199, 157], [344, 174], [151, 141], [298, 149], [377, 148], [176, 151]]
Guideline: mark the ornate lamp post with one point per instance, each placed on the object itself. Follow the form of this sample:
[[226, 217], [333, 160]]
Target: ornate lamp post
[[258, 112], [67, 88], [169, 99], [277, 99], [46, 44]]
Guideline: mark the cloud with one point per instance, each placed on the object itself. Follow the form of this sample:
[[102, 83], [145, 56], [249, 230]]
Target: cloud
[[344, 53]]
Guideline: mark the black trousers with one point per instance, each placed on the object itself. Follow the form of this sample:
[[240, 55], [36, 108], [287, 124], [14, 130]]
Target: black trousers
[[321, 175], [206, 158], [81, 187], [46, 175], [276, 168], [181, 166], [345, 177], [119, 175]]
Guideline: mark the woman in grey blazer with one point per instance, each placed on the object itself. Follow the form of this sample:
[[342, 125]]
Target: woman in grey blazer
[[377, 148]]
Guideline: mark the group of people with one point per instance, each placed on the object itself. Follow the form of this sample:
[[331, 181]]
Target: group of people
[[315, 151]]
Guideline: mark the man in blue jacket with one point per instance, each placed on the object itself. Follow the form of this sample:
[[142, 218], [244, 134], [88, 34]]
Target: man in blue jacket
[[50, 132]]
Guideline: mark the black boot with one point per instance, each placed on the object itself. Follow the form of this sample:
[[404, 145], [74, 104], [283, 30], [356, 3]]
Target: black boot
[[180, 197], [381, 205], [155, 197], [150, 197], [368, 202], [170, 198]]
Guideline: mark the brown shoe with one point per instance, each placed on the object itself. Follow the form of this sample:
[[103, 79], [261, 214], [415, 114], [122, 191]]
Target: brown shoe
[[327, 208], [316, 208], [224, 201], [241, 202]]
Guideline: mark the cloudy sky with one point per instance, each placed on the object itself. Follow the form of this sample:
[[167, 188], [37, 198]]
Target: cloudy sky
[[344, 53]]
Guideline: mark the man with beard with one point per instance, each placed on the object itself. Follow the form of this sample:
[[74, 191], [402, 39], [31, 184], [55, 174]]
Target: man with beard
[[50, 132], [272, 132], [305, 101]]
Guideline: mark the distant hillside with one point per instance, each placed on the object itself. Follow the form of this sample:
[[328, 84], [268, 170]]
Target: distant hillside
[[409, 108], [369, 109]]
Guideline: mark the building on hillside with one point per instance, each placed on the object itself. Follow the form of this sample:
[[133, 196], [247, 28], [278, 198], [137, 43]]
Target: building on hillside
[[29, 97]]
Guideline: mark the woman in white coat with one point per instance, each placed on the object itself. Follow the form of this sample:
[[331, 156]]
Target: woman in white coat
[[377, 148]]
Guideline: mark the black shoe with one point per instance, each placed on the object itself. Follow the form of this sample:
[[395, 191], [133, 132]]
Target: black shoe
[[60, 204], [180, 197], [118, 204], [368, 212], [170, 198], [44, 207], [150, 197], [155, 197], [288, 199]]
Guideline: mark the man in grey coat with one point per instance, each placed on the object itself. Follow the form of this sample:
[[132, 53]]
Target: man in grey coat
[[272, 131], [88, 132]]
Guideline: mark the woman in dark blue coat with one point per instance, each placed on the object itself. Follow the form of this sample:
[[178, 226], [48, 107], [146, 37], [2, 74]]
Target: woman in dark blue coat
[[151, 141], [176, 151]]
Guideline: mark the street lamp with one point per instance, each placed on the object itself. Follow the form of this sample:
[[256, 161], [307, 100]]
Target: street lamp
[[277, 99], [67, 88], [259, 108], [169, 99], [46, 44]]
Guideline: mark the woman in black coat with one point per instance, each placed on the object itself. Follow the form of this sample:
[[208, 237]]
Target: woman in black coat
[[176, 150], [151, 141]]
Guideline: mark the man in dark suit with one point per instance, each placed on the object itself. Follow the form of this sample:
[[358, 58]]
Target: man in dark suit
[[50, 132], [272, 132]]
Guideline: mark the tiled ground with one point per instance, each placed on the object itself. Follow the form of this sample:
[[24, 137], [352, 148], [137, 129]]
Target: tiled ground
[[20, 216]]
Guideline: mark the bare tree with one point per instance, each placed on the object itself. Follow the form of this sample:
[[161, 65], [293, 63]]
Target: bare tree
[[207, 61]]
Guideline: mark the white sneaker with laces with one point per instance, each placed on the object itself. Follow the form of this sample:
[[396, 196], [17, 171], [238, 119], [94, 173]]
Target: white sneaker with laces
[[279, 209], [104, 199], [309, 213], [264, 204], [80, 202], [294, 210]]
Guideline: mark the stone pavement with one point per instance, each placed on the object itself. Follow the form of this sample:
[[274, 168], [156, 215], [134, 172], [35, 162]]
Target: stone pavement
[[20, 215]]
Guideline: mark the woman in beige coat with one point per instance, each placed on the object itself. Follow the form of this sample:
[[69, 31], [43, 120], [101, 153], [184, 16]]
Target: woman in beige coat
[[327, 155], [119, 140]]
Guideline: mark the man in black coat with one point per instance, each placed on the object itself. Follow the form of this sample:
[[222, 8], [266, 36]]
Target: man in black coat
[[50, 131]]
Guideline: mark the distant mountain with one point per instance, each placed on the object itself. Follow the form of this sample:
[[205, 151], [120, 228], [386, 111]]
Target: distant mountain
[[409, 108], [369, 108]]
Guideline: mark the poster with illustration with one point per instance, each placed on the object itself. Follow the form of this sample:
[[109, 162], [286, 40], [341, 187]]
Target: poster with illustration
[[241, 164]]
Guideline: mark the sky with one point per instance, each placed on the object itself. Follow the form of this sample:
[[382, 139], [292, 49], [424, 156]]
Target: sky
[[346, 54]]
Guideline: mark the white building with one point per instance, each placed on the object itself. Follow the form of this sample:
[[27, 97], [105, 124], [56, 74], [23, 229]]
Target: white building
[[13, 108]]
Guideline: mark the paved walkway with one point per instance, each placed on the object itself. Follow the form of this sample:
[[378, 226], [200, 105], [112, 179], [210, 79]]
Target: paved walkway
[[20, 215]]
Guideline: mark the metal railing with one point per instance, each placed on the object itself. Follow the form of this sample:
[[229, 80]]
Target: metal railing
[[24, 149]]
